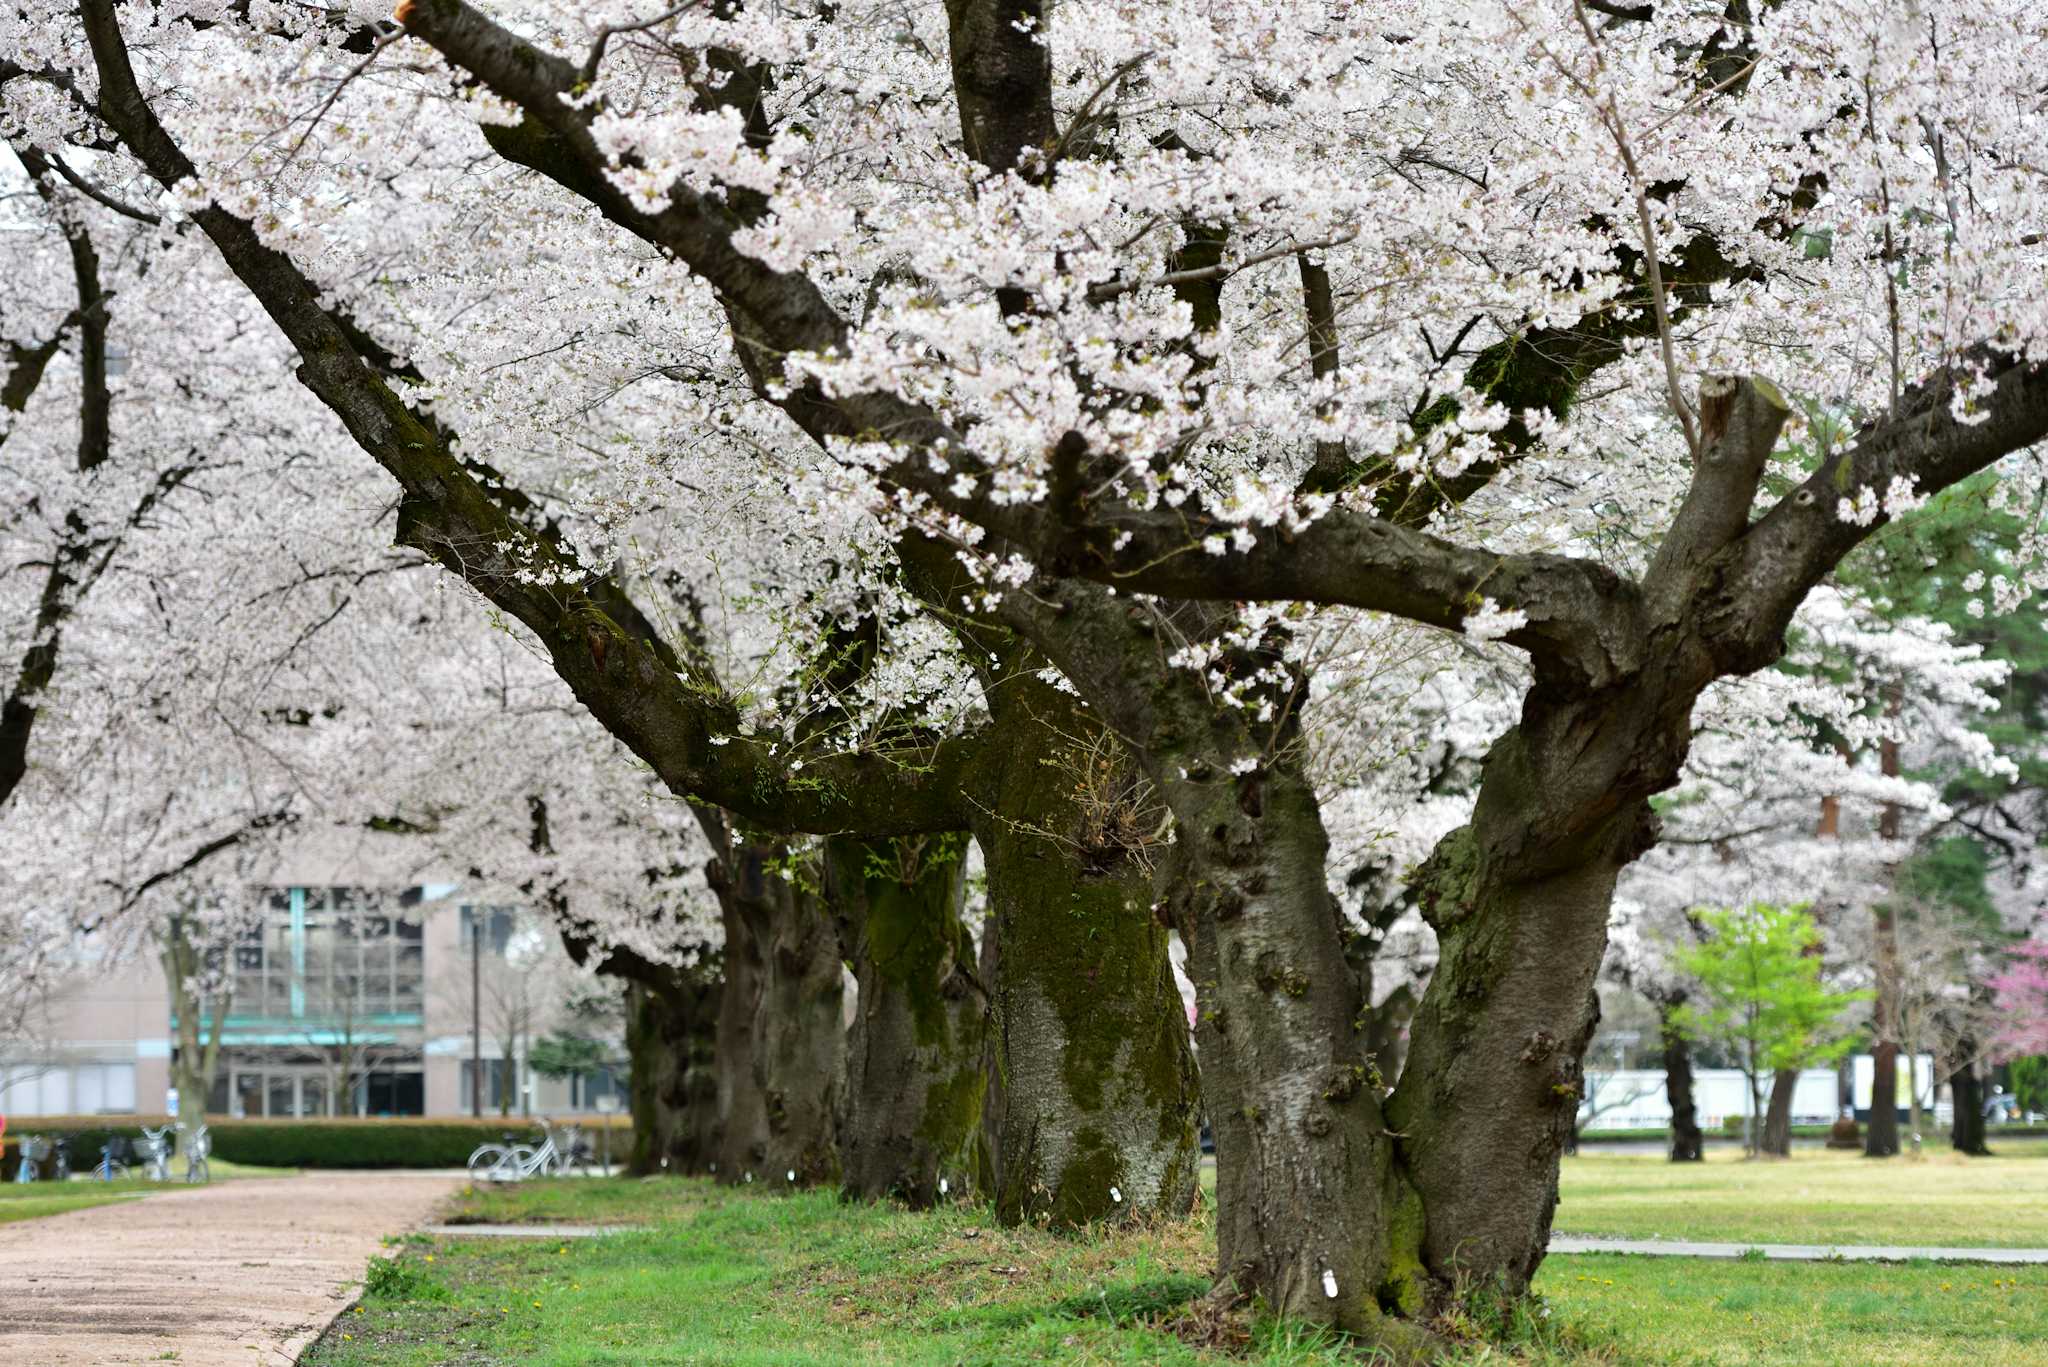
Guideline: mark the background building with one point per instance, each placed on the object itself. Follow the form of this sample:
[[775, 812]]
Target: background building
[[345, 1001]]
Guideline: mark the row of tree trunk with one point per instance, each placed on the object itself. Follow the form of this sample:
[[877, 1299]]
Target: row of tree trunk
[[1966, 1086], [1051, 1069]]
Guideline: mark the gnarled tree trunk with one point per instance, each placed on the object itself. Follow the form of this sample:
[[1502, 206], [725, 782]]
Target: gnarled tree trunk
[[1313, 1210], [916, 1072], [197, 1059], [781, 1034], [1097, 1080]]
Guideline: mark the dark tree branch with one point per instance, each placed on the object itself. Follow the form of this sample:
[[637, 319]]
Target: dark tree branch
[[1770, 570], [99, 196]]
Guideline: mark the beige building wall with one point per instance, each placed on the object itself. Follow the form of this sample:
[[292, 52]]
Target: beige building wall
[[99, 1045], [103, 1045]]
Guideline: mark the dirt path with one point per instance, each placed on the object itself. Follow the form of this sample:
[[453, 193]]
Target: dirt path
[[245, 1273]]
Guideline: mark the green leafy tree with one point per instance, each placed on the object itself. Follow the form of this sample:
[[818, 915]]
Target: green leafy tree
[[1760, 995], [2030, 1082], [565, 1053]]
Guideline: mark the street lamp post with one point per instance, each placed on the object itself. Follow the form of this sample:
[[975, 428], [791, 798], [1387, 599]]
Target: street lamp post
[[606, 1104]]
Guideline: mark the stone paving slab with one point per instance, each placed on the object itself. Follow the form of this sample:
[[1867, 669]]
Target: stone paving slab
[[1854, 1253], [243, 1273], [523, 1231]]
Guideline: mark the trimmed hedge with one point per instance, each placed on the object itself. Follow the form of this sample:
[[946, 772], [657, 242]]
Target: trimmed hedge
[[396, 1142]]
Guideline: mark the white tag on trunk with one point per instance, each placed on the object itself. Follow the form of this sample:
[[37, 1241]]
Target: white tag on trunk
[[1329, 1283]]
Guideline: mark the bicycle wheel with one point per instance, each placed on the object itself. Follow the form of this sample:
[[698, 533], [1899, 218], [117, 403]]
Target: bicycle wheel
[[197, 1171], [485, 1162], [520, 1163]]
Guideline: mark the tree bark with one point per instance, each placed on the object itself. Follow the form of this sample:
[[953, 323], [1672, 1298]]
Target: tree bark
[[1099, 1093], [781, 1036], [1495, 1070], [1777, 1140], [1313, 1211], [198, 1053], [1882, 1140], [1687, 1145], [1966, 1087], [916, 1072], [671, 1024]]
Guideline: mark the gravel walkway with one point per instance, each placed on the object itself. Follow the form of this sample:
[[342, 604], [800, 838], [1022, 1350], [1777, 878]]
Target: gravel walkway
[[246, 1272]]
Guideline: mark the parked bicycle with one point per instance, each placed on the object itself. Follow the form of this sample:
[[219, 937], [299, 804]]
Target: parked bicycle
[[510, 1161], [156, 1152], [114, 1155], [195, 1144], [573, 1149], [34, 1149]]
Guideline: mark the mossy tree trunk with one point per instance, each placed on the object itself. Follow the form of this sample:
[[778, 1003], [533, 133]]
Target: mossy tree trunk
[[1099, 1113], [781, 1049], [672, 1012], [1687, 1145], [915, 1070], [671, 1024]]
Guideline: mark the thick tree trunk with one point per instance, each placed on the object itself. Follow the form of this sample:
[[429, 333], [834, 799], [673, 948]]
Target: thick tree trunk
[[994, 1098], [781, 1033], [1882, 1139], [916, 1070], [1099, 1095], [741, 1108], [1313, 1212], [671, 1026], [1494, 1073], [1687, 1145], [1777, 1139], [1966, 1089]]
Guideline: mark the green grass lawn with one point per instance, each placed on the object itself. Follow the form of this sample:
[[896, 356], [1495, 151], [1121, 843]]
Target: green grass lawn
[[33, 1200], [1815, 1197], [749, 1280]]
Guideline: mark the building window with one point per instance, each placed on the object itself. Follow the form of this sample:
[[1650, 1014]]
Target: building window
[[332, 954], [498, 924], [68, 1089], [496, 1086], [286, 1080]]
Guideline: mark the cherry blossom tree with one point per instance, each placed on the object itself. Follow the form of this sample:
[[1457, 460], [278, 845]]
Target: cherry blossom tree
[[1139, 341], [2023, 1001]]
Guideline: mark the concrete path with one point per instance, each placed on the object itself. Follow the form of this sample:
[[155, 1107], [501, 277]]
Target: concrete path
[[523, 1231], [1854, 1253], [244, 1273]]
